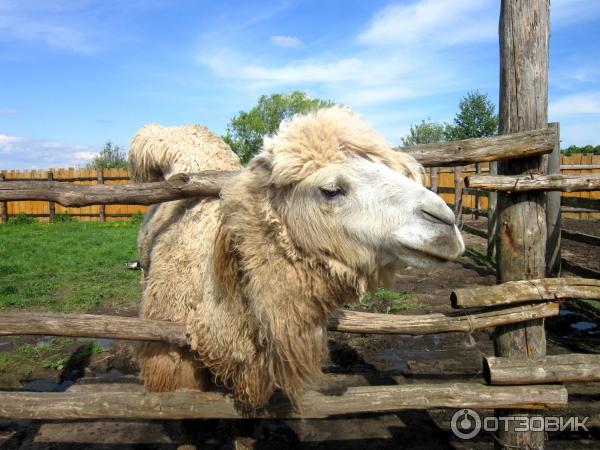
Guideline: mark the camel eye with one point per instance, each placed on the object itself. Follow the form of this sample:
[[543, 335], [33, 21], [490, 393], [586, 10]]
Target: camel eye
[[331, 192]]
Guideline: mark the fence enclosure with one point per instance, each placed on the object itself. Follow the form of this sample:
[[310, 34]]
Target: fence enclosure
[[574, 203]]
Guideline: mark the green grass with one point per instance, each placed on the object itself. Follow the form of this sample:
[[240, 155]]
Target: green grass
[[68, 266], [389, 302]]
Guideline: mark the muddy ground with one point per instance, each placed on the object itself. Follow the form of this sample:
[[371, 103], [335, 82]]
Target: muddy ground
[[355, 360]]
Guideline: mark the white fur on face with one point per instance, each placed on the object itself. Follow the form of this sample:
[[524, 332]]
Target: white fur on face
[[390, 214]]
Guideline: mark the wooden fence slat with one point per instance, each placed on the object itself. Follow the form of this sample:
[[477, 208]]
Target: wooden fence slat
[[129, 328], [315, 405]]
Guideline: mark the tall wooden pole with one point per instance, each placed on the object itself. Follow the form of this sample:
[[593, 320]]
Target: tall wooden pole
[[3, 206], [553, 211], [521, 236], [492, 214], [51, 205]]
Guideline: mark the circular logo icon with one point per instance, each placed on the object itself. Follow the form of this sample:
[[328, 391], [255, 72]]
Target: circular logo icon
[[465, 423]]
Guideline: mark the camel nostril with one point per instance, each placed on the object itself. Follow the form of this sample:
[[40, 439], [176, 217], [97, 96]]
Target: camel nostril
[[438, 213]]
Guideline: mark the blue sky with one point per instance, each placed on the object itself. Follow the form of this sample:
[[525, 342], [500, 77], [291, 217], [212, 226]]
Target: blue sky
[[74, 74]]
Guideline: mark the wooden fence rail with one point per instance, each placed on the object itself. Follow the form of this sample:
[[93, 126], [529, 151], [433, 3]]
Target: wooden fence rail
[[129, 328], [316, 405], [442, 181], [545, 289]]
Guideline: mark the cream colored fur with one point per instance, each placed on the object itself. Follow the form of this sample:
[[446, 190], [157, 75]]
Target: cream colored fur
[[254, 275]]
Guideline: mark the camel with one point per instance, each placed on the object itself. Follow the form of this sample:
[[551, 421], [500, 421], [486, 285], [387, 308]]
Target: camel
[[326, 211]]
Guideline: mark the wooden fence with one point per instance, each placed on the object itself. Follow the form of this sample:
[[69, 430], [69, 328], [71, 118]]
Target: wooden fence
[[574, 203], [44, 210]]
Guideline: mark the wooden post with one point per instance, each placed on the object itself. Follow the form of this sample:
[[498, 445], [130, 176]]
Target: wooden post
[[492, 214], [553, 211], [477, 197], [458, 185], [3, 205], [521, 236], [51, 205], [435, 181], [101, 208]]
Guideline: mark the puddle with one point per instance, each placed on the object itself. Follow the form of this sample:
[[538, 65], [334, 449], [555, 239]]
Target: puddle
[[106, 344], [583, 326], [45, 385]]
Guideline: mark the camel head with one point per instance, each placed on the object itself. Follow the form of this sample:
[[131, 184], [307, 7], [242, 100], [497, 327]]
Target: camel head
[[343, 195]]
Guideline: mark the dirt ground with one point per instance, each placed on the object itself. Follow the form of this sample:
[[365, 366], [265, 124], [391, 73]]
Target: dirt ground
[[355, 360]]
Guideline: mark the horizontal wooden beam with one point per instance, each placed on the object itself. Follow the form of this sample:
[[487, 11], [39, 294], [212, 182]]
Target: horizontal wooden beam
[[581, 202], [545, 289], [557, 182], [580, 237], [316, 405], [130, 328], [579, 270], [202, 184], [549, 369], [468, 151]]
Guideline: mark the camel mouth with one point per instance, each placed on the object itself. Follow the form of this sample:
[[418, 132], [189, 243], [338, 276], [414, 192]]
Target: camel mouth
[[440, 248]]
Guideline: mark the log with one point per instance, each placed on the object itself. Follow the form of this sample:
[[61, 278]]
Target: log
[[51, 205], [316, 405], [580, 237], [581, 202], [89, 325], [549, 369], [458, 186], [101, 208], [524, 31], [469, 151], [201, 184], [553, 219], [528, 183], [545, 289], [3, 205], [130, 328], [579, 270]]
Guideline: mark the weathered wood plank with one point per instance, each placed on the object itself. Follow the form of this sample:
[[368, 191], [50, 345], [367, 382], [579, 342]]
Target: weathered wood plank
[[130, 328], [581, 202], [316, 405], [469, 151], [580, 237], [549, 369], [556, 182], [202, 184], [579, 270], [545, 289]]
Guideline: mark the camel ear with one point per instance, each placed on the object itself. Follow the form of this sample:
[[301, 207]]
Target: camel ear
[[262, 162]]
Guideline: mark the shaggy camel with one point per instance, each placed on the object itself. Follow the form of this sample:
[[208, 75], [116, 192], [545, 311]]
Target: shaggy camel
[[324, 212]]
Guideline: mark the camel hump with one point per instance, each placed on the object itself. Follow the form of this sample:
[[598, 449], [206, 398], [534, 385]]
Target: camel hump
[[157, 152]]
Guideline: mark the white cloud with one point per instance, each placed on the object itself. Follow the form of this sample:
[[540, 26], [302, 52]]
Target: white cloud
[[439, 23], [581, 103], [286, 41], [28, 153], [7, 143]]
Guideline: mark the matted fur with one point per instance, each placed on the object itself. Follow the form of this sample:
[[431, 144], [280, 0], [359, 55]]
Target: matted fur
[[254, 295]]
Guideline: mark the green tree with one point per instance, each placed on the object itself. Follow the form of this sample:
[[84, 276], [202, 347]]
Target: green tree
[[111, 156], [245, 132], [476, 118], [587, 149], [425, 132]]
